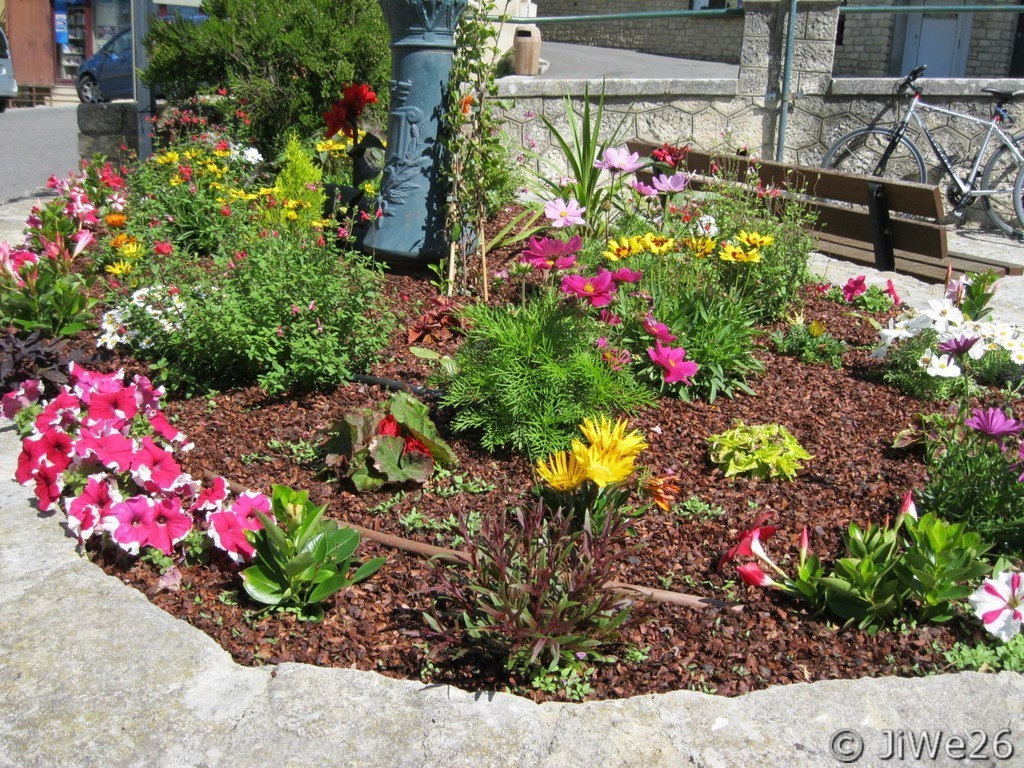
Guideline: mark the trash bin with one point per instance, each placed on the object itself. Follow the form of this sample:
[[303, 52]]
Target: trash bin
[[526, 50]]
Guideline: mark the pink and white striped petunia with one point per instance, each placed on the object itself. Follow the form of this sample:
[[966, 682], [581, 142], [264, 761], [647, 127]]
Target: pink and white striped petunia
[[228, 534], [169, 526], [999, 603]]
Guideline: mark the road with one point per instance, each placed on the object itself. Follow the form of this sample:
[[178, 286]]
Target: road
[[34, 144]]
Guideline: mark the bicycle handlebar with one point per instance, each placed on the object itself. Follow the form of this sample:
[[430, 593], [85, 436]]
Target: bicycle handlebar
[[908, 81]]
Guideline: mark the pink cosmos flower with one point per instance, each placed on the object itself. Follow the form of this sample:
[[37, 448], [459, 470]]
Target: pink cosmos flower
[[28, 393], [670, 185], [599, 290], [618, 160], [658, 330], [854, 287], [163, 248], [626, 275], [999, 603], [551, 253], [609, 318], [87, 509], [672, 359], [564, 214], [228, 534], [129, 522], [169, 526], [891, 290], [644, 189]]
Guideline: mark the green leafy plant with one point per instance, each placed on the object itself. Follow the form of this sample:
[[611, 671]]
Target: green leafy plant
[[989, 655], [809, 343], [304, 561], [400, 445], [534, 593], [526, 376], [301, 200], [766, 451]]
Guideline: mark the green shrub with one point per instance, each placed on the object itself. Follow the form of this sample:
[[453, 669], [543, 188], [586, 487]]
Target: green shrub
[[287, 62], [528, 375], [767, 451]]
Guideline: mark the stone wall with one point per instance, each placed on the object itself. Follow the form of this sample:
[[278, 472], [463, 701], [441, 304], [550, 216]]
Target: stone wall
[[705, 39], [104, 128]]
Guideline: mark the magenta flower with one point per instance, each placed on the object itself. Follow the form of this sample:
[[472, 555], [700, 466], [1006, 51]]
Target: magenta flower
[[907, 505], [564, 214], [228, 534], [618, 160], [670, 185], [108, 447], [87, 509], [891, 290], [672, 359], [626, 275], [86, 382], [130, 522], [51, 449], [169, 526], [999, 603], [28, 393], [62, 412], [609, 318], [211, 500], [644, 189], [854, 287], [551, 253], [992, 422], [658, 330], [752, 574], [155, 469], [246, 507], [749, 544], [599, 290], [116, 407]]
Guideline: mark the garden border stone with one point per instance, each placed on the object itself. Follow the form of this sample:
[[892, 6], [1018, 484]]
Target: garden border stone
[[93, 674]]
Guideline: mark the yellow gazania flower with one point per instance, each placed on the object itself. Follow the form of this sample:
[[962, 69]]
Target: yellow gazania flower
[[561, 471], [618, 249], [754, 240], [131, 250], [115, 220], [119, 268], [176, 180], [604, 436], [700, 246], [603, 467], [291, 215], [167, 158], [659, 245]]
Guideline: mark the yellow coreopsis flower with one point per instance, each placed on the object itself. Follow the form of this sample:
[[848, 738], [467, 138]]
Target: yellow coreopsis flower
[[731, 252], [561, 471], [700, 246], [659, 245], [754, 240], [618, 249], [638, 243], [167, 158]]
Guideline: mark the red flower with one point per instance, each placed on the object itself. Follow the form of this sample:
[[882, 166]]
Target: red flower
[[163, 248], [388, 426], [412, 445], [344, 113], [749, 541]]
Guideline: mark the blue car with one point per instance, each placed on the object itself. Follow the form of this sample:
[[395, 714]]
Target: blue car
[[109, 73]]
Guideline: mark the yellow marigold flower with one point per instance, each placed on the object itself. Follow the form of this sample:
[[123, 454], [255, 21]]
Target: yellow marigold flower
[[638, 243], [605, 436], [603, 467], [561, 471], [176, 180], [115, 220], [700, 246], [754, 239], [167, 158], [661, 489], [119, 268], [618, 249]]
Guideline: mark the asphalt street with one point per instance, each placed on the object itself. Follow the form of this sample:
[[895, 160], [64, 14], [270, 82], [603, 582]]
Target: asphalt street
[[35, 143]]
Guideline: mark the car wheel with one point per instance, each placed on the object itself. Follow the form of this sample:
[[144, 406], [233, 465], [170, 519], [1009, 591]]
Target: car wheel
[[89, 90], [3, 104]]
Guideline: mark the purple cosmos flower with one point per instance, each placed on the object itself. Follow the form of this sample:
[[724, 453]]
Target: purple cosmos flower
[[999, 603], [992, 422], [619, 160], [599, 290], [609, 318], [670, 185], [644, 189], [564, 214], [672, 359], [960, 345]]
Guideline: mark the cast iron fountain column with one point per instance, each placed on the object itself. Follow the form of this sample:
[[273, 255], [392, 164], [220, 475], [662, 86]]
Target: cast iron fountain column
[[411, 228]]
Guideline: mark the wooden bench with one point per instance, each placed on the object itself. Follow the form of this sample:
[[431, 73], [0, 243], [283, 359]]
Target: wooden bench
[[888, 225]]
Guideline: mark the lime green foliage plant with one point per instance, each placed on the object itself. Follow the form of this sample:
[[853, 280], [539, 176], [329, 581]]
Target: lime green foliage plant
[[299, 199], [302, 559], [766, 451], [285, 61], [535, 591], [528, 375], [401, 445]]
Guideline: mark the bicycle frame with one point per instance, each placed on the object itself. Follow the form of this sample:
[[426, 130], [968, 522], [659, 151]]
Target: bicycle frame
[[965, 185]]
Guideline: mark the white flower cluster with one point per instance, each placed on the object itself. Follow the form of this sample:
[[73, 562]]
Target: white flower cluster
[[164, 306], [949, 323], [250, 155]]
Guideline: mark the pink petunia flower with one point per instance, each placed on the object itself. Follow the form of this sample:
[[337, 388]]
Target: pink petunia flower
[[246, 507], [87, 510], [599, 290], [170, 525], [854, 287], [891, 290], [85, 382], [211, 500], [107, 446], [228, 534], [28, 393], [62, 412], [564, 214], [130, 522], [672, 359], [116, 407], [658, 330], [999, 603], [154, 469]]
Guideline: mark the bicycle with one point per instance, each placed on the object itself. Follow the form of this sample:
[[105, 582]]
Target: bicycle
[[880, 151]]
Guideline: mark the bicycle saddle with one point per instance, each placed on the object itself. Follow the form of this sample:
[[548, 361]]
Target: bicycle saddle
[[1003, 96]]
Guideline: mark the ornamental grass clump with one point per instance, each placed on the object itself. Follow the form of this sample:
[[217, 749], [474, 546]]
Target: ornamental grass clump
[[765, 451]]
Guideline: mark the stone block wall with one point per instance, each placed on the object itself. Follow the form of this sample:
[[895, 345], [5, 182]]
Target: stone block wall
[[992, 36], [104, 128], [704, 39], [867, 39]]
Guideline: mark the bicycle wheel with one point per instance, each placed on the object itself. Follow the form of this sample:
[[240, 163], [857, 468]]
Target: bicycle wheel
[[1018, 197], [999, 174], [860, 152]]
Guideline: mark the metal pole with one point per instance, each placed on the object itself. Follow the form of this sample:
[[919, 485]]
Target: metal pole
[[144, 107], [787, 75]]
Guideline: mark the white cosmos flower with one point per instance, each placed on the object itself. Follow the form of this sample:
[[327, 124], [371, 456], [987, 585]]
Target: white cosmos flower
[[943, 367], [943, 314]]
